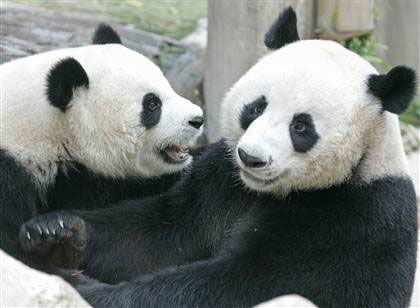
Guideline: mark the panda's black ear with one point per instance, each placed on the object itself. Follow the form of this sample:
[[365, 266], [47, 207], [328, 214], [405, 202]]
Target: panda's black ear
[[65, 76], [283, 31], [104, 34], [395, 89]]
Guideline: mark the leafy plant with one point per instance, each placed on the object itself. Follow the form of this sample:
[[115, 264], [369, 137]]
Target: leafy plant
[[367, 47], [412, 115]]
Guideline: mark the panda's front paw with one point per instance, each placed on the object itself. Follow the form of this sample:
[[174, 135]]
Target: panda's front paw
[[61, 237]]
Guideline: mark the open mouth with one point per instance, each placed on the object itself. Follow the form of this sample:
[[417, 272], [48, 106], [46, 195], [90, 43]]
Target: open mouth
[[259, 181], [175, 154]]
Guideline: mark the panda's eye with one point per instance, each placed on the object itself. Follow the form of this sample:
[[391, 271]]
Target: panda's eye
[[152, 106], [257, 109], [299, 127], [151, 102]]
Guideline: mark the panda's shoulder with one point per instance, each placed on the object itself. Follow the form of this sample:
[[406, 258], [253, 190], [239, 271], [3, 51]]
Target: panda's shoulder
[[13, 173]]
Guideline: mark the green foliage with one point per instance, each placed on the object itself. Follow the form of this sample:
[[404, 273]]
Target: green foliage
[[367, 47], [412, 115]]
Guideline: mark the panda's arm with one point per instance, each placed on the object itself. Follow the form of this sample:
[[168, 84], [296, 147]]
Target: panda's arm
[[120, 242], [226, 281], [126, 240], [140, 236], [174, 228]]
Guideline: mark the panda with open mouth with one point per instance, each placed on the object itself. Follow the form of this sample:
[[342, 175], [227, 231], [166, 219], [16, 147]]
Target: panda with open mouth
[[84, 128], [307, 193]]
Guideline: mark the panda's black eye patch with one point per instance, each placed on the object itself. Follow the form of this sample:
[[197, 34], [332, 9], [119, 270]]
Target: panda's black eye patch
[[252, 111], [150, 115], [302, 132]]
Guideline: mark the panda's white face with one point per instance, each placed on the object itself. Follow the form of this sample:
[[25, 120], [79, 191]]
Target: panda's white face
[[302, 118], [129, 120], [104, 106]]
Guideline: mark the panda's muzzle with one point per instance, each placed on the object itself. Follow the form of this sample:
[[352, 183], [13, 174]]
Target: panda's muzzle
[[175, 154]]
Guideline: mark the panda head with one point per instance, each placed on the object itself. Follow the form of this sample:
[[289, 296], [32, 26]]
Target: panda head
[[312, 114], [121, 115]]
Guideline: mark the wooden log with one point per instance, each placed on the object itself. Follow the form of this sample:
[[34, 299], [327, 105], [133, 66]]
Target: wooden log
[[340, 20], [235, 41], [28, 30]]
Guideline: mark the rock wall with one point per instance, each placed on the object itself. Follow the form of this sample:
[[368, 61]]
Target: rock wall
[[22, 286]]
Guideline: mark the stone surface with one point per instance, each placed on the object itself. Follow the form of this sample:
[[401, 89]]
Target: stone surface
[[287, 301], [198, 39], [22, 286], [187, 72]]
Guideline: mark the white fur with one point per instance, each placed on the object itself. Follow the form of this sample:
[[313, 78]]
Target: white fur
[[102, 128], [330, 83]]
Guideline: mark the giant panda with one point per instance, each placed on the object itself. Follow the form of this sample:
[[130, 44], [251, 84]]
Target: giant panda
[[307, 193], [86, 127]]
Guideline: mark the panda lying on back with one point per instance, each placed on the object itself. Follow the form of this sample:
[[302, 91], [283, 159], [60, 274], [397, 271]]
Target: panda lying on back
[[83, 128], [326, 211]]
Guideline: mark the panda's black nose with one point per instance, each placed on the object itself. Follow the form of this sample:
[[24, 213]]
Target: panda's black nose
[[250, 161], [196, 122]]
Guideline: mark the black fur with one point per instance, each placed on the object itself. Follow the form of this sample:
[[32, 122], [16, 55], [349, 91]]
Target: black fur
[[104, 34], [79, 188], [305, 139], [209, 242], [92, 191], [152, 110], [395, 89], [62, 79], [252, 111], [19, 202], [283, 31]]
